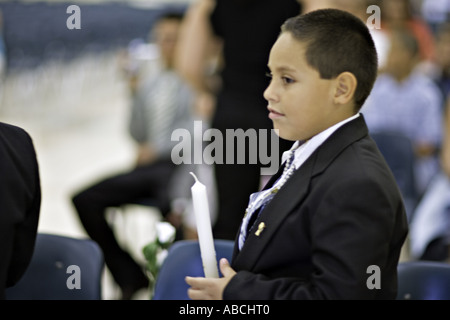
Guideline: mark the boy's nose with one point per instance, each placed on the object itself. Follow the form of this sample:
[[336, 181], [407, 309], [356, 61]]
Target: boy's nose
[[269, 93]]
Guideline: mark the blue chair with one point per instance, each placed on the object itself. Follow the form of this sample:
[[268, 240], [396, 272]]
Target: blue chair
[[423, 280], [398, 152], [58, 265], [184, 260]]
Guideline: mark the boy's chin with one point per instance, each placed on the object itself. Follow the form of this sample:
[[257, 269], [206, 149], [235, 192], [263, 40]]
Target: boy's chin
[[285, 136]]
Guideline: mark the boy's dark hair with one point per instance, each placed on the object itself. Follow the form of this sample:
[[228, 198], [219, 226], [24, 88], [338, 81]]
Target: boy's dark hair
[[337, 42]]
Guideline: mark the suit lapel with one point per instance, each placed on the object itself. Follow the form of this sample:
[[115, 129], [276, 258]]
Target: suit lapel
[[273, 215], [294, 192]]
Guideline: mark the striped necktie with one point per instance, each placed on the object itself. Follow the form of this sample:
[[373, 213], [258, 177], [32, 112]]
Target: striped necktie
[[260, 199]]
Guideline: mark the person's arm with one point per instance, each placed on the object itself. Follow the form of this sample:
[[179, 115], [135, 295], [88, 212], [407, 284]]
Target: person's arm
[[197, 44], [198, 55]]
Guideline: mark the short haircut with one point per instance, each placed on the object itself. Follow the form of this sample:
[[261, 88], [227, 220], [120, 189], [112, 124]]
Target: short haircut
[[337, 42]]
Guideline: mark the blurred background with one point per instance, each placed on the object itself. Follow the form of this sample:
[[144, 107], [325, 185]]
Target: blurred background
[[68, 88]]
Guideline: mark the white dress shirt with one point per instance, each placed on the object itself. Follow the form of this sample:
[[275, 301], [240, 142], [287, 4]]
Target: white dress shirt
[[305, 150]]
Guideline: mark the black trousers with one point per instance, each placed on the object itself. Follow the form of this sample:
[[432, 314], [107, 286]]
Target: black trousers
[[146, 182]]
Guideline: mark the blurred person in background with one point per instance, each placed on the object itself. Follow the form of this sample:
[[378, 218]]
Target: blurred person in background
[[430, 228], [400, 14], [20, 198], [239, 33], [359, 9], [435, 12], [441, 70], [405, 101], [311, 5], [161, 103]]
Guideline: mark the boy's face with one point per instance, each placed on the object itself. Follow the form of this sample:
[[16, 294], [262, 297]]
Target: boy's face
[[300, 102]]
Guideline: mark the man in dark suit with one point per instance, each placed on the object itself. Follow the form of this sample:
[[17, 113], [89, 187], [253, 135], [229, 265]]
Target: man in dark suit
[[331, 223], [20, 199]]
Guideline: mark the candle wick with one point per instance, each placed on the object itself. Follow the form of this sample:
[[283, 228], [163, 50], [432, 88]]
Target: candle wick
[[195, 177]]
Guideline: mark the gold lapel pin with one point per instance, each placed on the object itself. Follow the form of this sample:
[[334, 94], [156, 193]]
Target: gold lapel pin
[[261, 228]]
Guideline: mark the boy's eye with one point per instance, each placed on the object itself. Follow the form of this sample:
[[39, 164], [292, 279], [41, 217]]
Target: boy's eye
[[287, 80], [284, 79]]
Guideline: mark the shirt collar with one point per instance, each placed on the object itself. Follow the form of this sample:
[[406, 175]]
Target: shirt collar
[[304, 149]]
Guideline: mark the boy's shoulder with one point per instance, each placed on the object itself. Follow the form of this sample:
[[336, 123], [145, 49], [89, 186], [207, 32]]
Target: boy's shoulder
[[351, 152]]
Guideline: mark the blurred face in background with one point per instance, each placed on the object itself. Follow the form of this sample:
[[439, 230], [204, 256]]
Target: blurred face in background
[[165, 35], [401, 59]]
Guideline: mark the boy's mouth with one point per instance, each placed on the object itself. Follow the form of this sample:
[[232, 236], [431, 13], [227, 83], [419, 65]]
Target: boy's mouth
[[274, 114]]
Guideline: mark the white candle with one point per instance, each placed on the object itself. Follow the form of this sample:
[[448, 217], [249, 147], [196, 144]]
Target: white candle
[[204, 230]]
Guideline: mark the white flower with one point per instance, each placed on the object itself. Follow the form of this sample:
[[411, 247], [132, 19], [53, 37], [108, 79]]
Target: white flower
[[161, 256], [165, 232]]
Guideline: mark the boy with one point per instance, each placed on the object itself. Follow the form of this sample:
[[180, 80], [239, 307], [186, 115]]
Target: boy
[[333, 212]]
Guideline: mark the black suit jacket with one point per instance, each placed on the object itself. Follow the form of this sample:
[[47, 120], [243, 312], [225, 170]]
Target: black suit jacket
[[20, 199], [339, 214]]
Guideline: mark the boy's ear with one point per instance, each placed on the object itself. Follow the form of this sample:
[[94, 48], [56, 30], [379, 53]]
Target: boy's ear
[[346, 84]]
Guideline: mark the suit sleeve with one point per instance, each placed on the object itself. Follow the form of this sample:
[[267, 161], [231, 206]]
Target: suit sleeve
[[25, 232], [350, 230]]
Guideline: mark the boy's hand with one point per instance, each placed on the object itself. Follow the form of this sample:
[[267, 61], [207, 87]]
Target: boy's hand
[[210, 288]]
